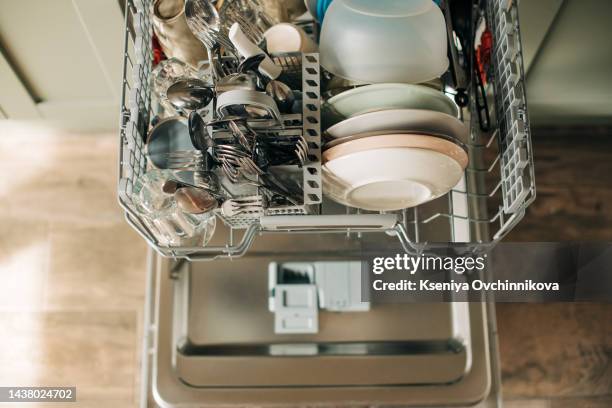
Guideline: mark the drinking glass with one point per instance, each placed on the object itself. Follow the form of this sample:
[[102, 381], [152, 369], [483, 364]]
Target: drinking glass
[[160, 212]]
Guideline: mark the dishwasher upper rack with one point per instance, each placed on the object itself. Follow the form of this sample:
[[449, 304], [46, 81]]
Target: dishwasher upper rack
[[476, 211]]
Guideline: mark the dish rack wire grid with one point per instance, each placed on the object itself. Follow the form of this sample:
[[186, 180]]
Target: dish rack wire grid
[[518, 178], [491, 199]]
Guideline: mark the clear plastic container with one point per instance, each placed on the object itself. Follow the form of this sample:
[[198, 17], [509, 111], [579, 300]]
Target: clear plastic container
[[384, 41]]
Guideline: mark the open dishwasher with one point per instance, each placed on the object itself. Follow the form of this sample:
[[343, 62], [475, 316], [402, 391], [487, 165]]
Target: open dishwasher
[[274, 315]]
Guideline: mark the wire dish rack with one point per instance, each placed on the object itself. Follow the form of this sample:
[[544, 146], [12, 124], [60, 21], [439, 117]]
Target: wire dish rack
[[490, 200]]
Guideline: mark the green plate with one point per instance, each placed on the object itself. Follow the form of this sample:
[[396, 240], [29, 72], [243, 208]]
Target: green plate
[[379, 97]]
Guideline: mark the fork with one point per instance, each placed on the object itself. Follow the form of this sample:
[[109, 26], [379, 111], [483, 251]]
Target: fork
[[301, 150], [230, 171], [195, 162], [234, 161], [241, 205], [186, 163], [248, 142], [228, 150], [247, 164]]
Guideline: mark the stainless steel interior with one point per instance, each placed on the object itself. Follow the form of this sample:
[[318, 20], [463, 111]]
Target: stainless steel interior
[[212, 339]]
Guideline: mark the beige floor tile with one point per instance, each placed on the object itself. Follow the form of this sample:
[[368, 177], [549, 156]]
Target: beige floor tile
[[76, 404], [68, 177], [94, 351], [24, 259], [96, 268], [65, 247]]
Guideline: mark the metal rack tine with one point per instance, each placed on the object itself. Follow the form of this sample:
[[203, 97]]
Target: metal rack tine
[[501, 176]]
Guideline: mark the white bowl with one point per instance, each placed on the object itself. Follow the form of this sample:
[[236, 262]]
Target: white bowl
[[384, 40], [311, 6], [391, 178], [287, 38]]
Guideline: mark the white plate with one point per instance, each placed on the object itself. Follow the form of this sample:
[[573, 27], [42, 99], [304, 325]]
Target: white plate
[[390, 179], [379, 97], [401, 120]]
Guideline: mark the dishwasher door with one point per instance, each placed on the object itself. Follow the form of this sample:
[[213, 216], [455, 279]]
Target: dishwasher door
[[212, 340]]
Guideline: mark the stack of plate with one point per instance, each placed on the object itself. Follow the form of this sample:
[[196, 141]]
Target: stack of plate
[[392, 146]]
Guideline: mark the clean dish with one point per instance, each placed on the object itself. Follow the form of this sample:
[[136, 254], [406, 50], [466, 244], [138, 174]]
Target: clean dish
[[189, 94], [288, 38], [168, 72], [322, 6], [249, 101], [317, 8], [384, 41], [410, 120], [378, 97], [311, 6], [173, 34], [160, 212], [169, 135], [390, 179], [429, 142]]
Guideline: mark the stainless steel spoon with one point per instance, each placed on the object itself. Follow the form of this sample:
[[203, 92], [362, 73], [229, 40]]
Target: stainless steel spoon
[[190, 94], [241, 81], [194, 200], [207, 181], [200, 138], [282, 95]]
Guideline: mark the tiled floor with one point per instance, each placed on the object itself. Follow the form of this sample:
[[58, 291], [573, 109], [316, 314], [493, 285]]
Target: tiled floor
[[72, 283], [71, 270]]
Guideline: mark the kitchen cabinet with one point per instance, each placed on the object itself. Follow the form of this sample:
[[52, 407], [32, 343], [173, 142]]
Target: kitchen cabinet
[[61, 60]]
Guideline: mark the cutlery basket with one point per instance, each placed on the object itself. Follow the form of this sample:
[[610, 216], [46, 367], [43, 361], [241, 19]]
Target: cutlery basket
[[306, 126], [490, 200]]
